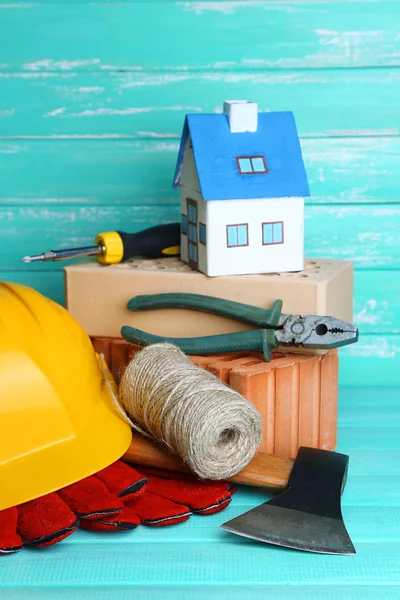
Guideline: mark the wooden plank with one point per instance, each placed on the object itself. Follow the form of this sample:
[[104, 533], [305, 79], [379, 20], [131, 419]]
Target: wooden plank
[[283, 35], [144, 104], [374, 463], [387, 416], [364, 490], [240, 591], [224, 563], [373, 360], [89, 172], [366, 234], [377, 301], [115, 172], [369, 438], [49, 282], [384, 524], [366, 396]]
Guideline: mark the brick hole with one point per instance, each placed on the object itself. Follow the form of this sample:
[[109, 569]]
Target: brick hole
[[271, 274], [297, 275], [247, 362], [173, 262], [253, 362], [234, 356], [149, 263], [308, 264]]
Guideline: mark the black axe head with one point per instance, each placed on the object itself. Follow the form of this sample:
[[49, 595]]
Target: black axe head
[[307, 515]]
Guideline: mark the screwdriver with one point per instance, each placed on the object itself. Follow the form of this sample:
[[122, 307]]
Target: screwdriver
[[113, 247]]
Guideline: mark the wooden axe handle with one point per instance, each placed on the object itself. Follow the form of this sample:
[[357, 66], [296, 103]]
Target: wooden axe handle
[[264, 470]]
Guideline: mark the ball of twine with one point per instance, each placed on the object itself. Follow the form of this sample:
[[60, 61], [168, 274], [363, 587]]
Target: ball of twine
[[214, 429]]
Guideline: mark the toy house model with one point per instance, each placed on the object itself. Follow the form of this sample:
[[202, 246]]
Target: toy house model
[[242, 185]]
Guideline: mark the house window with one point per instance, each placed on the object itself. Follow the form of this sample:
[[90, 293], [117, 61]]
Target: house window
[[272, 233], [184, 224], [251, 165], [192, 213], [193, 232], [202, 233], [237, 235], [193, 252]]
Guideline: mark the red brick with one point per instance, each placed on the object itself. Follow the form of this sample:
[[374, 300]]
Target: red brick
[[295, 394]]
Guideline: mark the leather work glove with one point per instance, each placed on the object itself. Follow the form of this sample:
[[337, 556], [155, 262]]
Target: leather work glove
[[118, 498]]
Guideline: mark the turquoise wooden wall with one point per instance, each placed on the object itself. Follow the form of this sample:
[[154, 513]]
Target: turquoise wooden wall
[[92, 100]]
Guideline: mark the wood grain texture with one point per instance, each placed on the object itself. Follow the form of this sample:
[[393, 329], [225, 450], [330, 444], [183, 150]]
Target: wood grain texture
[[142, 562], [374, 358], [84, 172], [114, 35], [196, 558], [143, 104], [85, 139], [368, 235], [92, 97], [212, 592], [377, 301]]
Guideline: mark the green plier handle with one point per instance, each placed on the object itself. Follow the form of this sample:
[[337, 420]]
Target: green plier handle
[[263, 318], [261, 339]]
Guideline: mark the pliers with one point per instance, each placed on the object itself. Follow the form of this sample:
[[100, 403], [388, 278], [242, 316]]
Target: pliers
[[274, 328]]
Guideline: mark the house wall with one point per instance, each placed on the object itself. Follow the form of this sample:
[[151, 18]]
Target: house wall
[[202, 218], [189, 178], [190, 188], [255, 258]]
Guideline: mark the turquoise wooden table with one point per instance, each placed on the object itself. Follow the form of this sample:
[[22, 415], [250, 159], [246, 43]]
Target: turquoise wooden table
[[199, 560], [92, 101]]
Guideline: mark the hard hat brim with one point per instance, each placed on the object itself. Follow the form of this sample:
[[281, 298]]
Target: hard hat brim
[[68, 461]]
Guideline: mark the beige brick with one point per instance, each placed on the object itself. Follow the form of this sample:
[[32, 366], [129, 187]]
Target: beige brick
[[97, 296]]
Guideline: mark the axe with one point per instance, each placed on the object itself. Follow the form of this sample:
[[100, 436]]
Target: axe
[[306, 515]]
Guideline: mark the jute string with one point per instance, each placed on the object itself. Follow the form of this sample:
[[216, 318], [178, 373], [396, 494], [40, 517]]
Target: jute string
[[213, 428]]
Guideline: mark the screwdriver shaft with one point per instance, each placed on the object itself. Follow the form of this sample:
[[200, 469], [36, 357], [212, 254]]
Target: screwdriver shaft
[[65, 254]]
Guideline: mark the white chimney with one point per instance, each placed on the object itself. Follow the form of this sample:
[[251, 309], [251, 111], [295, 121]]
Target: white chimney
[[242, 115]]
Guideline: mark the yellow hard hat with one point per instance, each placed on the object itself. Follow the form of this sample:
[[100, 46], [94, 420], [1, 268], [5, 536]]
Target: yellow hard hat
[[58, 421]]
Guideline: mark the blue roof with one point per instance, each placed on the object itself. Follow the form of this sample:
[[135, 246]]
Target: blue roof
[[216, 148]]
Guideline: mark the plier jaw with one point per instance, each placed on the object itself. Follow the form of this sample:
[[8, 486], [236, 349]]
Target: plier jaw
[[311, 331]]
